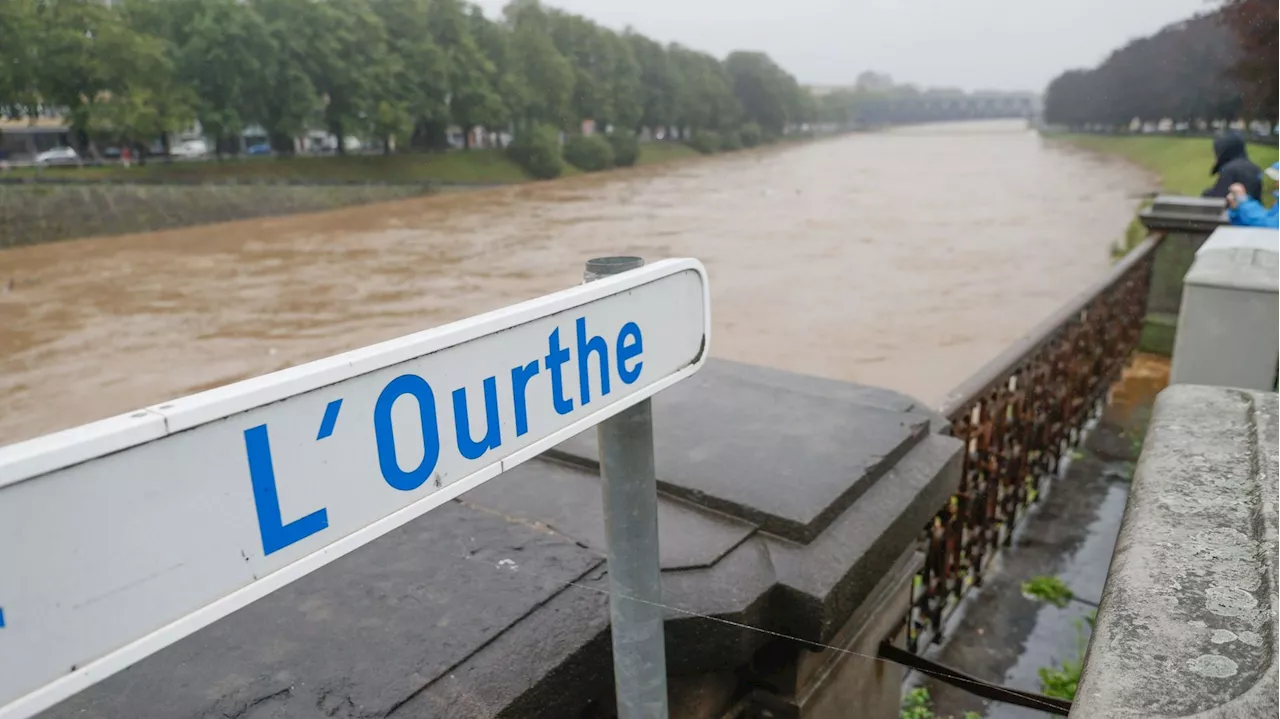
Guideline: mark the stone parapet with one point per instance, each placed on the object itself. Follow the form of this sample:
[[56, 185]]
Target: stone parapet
[[1188, 620], [787, 503]]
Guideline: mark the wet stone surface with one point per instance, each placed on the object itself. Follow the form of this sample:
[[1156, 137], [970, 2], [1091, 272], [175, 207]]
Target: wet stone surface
[[1192, 592]]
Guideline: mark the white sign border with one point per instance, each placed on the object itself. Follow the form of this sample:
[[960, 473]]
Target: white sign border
[[33, 458]]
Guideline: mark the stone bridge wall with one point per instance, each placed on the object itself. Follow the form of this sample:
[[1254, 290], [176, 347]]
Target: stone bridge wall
[[788, 503]]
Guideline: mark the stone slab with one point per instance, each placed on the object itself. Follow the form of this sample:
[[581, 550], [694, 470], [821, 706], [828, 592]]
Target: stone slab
[[785, 453], [569, 501], [836, 571], [358, 637], [1188, 619]]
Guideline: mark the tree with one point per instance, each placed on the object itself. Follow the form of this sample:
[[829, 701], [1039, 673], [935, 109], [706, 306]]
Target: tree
[[473, 75], [543, 79], [417, 67], [391, 123], [87, 57], [350, 65], [221, 50], [769, 96], [1183, 73], [129, 69], [606, 74], [1255, 25], [706, 98], [291, 104], [19, 57], [838, 108], [660, 85]]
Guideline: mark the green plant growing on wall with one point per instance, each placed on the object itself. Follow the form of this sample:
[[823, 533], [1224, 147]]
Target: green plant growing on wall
[[1060, 681], [1048, 589], [917, 704]]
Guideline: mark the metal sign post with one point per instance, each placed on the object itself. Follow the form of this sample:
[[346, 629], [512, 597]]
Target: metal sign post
[[631, 528], [122, 536]]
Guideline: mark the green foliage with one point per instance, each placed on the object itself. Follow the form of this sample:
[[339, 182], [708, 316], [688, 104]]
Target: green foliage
[[543, 79], [1188, 71], [1048, 589], [730, 140], [419, 70], [706, 99], [590, 153], [626, 149], [917, 704], [705, 141], [21, 30], [1061, 681], [769, 95], [537, 150], [131, 70], [391, 124]]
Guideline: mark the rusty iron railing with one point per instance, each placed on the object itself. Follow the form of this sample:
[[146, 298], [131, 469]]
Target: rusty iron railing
[[1018, 416]]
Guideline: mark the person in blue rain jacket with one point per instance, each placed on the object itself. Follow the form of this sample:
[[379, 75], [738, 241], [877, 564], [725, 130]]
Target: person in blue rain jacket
[[1248, 212]]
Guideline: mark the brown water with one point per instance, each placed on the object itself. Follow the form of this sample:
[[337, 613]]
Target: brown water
[[904, 259]]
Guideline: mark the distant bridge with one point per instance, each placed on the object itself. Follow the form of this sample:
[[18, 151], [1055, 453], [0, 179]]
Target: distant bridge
[[925, 108]]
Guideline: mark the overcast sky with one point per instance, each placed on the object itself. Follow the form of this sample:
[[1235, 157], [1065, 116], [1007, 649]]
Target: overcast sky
[[970, 44]]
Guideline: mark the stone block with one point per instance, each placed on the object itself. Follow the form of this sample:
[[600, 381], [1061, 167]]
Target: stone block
[[797, 431], [785, 503], [1187, 623]]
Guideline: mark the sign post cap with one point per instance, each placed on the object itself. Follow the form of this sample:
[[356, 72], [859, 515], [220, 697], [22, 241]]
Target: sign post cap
[[605, 266]]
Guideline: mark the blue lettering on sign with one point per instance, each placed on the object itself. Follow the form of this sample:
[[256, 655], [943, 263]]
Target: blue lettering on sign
[[330, 419], [520, 377], [555, 359], [276, 535], [414, 385], [470, 448], [627, 350], [1, 618], [585, 347]]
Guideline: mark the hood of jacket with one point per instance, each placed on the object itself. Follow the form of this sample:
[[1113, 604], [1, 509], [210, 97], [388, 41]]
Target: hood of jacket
[[1227, 148]]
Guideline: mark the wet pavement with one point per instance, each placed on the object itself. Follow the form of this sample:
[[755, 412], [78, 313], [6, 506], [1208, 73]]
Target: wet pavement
[[903, 259], [1002, 636]]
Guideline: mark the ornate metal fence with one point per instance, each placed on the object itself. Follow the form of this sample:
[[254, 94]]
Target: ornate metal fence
[[1018, 417]]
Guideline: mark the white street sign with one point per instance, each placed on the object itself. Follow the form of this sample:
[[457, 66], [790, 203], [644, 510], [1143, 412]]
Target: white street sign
[[122, 536]]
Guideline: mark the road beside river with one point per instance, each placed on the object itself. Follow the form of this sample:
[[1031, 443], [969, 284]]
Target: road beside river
[[903, 259]]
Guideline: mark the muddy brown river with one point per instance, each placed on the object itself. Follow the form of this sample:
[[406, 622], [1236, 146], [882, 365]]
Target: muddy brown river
[[902, 259]]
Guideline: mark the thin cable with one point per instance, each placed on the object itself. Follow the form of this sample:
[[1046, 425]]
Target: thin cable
[[513, 568]]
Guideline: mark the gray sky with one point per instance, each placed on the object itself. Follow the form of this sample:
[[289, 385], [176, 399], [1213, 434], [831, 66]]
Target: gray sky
[[971, 44]]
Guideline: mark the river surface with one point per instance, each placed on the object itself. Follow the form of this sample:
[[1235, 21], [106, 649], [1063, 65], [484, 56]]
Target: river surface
[[903, 259]]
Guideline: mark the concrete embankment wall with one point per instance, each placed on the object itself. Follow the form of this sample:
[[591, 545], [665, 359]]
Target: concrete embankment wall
[[31, 213]]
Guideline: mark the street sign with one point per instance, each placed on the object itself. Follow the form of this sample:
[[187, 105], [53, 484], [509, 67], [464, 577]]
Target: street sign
[[122, 536]]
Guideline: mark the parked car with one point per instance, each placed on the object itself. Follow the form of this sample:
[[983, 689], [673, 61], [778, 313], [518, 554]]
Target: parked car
[[58, 156], [258, 148], [190, 148]]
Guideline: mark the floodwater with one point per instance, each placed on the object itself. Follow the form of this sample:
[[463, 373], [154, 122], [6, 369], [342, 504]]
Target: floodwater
[[904, 259]]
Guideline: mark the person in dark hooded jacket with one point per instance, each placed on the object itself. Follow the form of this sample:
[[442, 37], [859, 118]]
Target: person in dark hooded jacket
[[1232, 166]]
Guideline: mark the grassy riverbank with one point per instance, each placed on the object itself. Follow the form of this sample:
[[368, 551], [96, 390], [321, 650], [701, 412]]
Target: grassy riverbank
[[1182, 166], [1182, 163], [463, 167]]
